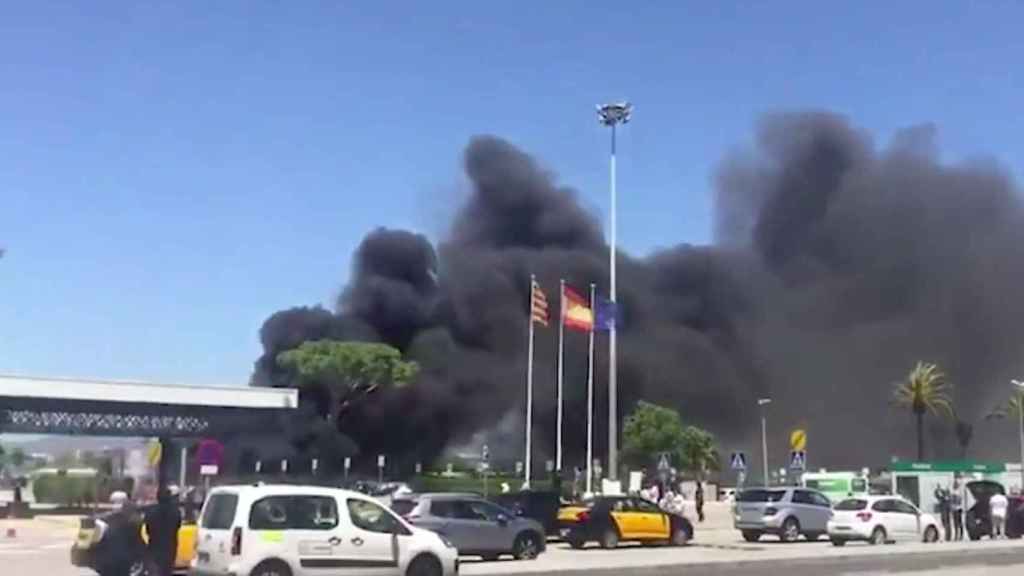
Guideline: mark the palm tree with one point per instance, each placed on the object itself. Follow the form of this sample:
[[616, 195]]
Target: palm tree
[[1013, 408], [925, 390]]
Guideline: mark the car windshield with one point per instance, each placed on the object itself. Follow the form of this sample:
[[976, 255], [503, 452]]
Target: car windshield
[[761, 496], [852, 504]]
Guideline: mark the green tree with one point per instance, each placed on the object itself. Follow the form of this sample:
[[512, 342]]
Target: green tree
[[18, 458], [924, 391], [651, 430], [342, 373], [1012, 408], [698, 452]]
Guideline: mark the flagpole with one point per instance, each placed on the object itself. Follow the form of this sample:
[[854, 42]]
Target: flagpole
[[590, 396], [529, 390], [561, 352]]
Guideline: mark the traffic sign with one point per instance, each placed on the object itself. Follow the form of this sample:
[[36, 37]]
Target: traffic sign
[[348, 463], [798, 440], [381, 460], [208, 470], [519, 468], [663, 464], [798, 460], [419, 468], [738, 461], [485, 453]]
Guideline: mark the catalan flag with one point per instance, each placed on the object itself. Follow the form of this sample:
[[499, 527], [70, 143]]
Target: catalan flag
[[539, 306], [576, 312]]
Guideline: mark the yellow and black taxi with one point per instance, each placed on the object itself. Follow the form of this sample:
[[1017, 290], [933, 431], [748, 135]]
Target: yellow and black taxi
[[609, 520], [95, 547]]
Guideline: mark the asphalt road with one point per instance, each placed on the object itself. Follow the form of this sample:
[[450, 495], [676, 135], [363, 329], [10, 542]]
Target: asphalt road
[[50, 558]]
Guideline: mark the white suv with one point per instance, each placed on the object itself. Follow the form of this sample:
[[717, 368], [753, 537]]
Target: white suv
[[265, 530]]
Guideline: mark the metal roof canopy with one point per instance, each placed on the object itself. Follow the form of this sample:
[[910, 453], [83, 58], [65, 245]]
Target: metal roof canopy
[[33, 405]]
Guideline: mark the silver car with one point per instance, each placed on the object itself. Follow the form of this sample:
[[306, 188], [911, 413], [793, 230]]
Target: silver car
[[474, 525], [785, 512]]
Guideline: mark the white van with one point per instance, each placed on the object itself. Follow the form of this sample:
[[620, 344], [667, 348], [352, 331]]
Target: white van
[[265, 530]]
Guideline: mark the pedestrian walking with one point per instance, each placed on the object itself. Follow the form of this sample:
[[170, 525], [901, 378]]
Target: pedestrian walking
[[997, 505], [699, 500], [162, 524], [956, 504]]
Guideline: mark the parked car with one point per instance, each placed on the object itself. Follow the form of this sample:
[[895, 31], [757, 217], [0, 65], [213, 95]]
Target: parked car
[[476, 526], [91, 549], [273, 530], [881, 519], [978, 519], [785, 512], [609, 520], [541, 506]]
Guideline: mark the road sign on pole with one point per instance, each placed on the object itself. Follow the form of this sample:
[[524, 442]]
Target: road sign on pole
[[738, 461], [798, 460], [798, 440], [485, 453]]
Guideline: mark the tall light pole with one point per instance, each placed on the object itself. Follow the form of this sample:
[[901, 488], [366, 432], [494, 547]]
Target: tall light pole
[[1020, 414], [612, 115], [762, 403]]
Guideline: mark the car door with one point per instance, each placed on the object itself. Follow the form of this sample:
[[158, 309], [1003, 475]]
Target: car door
[[304, 529], [466, 528], [885, 514], [821, 508], [498, 533], [653, 522], [909, 520], [801, 506], [371, 542], [626, 520]]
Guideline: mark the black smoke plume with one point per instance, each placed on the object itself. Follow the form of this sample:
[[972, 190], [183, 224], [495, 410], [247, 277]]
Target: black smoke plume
[[837, 264]]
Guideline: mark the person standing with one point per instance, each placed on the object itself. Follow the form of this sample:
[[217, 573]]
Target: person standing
[[956, 505], [942, 507], [699, 500], [997, 506], [162, 524]]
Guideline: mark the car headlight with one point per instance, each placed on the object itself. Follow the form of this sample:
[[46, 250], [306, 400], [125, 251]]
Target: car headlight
[[445, 541]]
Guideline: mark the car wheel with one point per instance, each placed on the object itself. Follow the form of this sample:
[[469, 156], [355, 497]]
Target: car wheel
[[527, 546], [424, 566], [681, 537], [271, 568], [751, 535], [878, 536], [812, 536], [610, 539], [490, 557], [790, 530], [576, 542], [931, 534], [838, 543]]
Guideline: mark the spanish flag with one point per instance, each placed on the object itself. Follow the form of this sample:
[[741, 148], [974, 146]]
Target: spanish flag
[[576, 312]]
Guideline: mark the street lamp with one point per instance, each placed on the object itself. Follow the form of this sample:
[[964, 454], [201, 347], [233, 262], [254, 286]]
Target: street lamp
[[612, 115], [1020, 414], [761, 403]]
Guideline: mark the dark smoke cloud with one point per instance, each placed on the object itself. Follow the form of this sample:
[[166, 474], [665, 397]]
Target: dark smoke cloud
[[837, 265]]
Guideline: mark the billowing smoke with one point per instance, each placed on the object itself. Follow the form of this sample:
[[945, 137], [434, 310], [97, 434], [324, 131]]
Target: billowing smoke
[[837, 264]]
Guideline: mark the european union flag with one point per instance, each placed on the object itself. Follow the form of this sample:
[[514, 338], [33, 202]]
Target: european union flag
[[604, 315]]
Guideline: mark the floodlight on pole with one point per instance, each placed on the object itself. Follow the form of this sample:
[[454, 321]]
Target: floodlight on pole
[[612, 115], [1020, 420], [761, 403]]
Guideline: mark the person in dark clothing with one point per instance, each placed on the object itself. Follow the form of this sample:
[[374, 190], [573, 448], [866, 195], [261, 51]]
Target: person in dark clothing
[[162, 524], [122, 545], [942, 506], [699, 499]]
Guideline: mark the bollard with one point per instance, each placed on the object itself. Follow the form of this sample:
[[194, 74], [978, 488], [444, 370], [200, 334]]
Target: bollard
[[12, 533]]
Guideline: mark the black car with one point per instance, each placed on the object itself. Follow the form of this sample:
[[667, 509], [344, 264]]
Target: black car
[[978, 518], [541, 506]]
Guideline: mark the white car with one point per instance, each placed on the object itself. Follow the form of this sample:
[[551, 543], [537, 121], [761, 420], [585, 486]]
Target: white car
[[879, 520], [272, 530]]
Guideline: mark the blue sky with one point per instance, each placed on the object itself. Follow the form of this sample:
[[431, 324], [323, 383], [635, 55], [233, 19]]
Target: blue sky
[[172, 173]]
